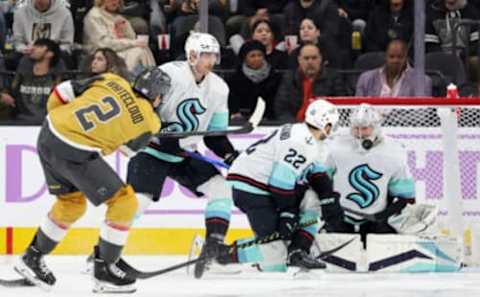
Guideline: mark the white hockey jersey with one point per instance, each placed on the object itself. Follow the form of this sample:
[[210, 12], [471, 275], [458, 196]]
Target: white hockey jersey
[[366, 178], [189, 106], [274, 164]]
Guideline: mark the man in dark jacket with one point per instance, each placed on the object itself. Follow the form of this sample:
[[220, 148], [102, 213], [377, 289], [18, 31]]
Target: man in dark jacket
[[310, 80]]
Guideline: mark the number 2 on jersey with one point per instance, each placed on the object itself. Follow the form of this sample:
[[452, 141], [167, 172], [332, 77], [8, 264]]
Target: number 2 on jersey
[[100, 115]]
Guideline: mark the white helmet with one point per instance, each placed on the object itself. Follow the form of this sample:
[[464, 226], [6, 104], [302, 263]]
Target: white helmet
[[321, 113], [198, 43], [365, 115]]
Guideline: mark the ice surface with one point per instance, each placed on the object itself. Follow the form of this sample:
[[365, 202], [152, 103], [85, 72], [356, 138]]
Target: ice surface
[[72, 283]]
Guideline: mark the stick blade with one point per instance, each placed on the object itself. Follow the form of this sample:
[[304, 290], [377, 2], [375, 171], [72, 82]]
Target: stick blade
[[257, 114]]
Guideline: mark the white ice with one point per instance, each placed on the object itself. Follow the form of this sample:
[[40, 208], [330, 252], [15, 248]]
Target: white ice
[[72, 283]]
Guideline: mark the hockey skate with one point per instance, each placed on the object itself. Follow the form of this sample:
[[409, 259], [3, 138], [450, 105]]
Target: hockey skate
[[33, 268], [302, 259], [109, 278], [212, 249]]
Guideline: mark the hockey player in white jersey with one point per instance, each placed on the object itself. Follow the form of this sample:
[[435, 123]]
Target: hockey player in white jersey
[[264, 182], [371, 175], [196, 101]]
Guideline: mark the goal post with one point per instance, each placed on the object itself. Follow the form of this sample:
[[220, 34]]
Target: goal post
[[442, 136]]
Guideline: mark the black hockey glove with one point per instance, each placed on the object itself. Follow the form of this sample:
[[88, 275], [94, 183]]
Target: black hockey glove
[[81, 85], [229, 158], [332, 211], [287, 224]]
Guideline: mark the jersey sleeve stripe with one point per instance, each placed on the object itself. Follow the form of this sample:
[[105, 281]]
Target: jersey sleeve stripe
[[247, 180]]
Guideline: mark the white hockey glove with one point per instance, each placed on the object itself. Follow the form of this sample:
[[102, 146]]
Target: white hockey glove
[[416, 219]]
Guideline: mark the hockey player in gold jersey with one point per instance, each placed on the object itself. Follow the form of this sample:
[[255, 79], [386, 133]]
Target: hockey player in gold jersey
[[87, 119]]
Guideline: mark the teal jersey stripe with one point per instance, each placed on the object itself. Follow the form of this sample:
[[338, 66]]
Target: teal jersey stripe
[[283, 177], [402, 188], [163, 156], [218, 122]]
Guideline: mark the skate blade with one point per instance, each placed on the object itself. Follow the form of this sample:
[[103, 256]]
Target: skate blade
[[196, 247], [88, 268], [106, 288], [27, 273]]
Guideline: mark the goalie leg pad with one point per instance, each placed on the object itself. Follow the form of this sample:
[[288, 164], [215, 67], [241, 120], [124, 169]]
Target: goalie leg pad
[[409, 253], [349, 258]]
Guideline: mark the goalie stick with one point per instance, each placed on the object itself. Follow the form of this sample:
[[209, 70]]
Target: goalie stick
[[368, 217], [248, 127]]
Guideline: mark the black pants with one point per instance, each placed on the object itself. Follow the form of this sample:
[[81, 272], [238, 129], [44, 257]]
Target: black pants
[[147, 174]]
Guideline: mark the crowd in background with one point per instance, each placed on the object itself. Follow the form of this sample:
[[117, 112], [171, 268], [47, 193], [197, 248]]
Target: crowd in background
[[286, 51]]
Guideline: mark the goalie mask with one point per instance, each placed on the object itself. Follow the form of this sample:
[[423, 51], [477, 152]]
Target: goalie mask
[[198, 43], [321, 113], [365, 125], [152, 83]]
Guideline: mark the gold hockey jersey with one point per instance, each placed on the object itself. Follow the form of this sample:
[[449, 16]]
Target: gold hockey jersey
[[104, 117]]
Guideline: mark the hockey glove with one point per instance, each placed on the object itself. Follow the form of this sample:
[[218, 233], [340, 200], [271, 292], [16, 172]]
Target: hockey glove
[[332, 212], [229, 158], [287, 224], [81, 85]]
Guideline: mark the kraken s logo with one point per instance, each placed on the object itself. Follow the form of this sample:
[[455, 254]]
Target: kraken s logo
[[187, 113], [360, 179]]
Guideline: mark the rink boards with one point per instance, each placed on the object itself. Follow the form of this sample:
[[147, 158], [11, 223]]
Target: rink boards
[[169, 225]]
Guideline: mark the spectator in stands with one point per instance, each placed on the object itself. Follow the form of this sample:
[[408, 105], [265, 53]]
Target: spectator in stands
[[391, 19], [262, 31], [250, 11], [395, 78], [105, 27], [324, 11], [336, 29], [310, 80], [186, 19], [310, 33], [356, 11], [442, 15], [253, 78], [34, 80], [42, 19], [106, 60]]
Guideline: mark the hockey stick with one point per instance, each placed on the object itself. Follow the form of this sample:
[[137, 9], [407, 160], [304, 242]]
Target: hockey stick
[[212, 161], [368, 217], [18, 282], [134, 273], [248, 127], [325, 254]]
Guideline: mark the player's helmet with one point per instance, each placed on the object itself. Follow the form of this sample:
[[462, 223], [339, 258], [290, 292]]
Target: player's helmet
[[198, 43], [151, 83], [321, 113], [366, 115]]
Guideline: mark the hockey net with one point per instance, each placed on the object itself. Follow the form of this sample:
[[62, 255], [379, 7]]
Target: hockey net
[[442, 137]]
